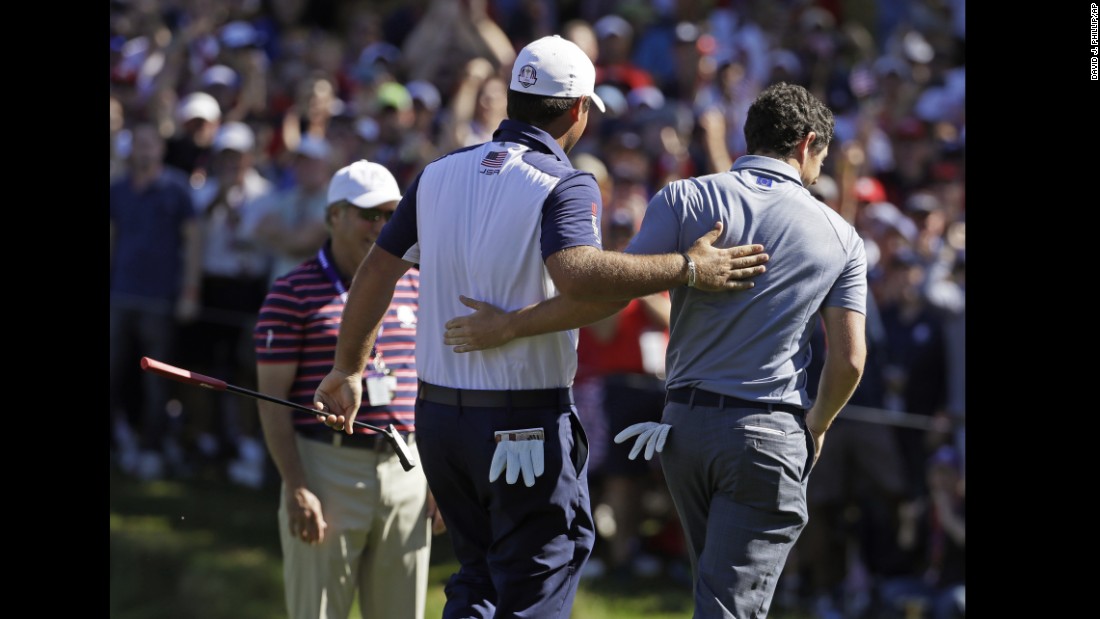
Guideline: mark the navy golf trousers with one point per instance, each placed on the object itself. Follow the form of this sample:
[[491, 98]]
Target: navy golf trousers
[[520, 549]]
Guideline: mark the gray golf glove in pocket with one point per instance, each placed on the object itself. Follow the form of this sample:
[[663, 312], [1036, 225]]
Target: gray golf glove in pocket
[[518, 451], [651, 435]]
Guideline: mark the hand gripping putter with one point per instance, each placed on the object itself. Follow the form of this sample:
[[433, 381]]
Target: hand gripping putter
[[200, 380]]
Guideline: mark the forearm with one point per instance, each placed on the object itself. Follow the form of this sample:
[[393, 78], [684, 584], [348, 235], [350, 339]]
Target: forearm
[[845, 355], [838, 382], [490, 327], [278, 432], [369, 298], [359, 327], [718, 154], [559, 313], [596, 275]]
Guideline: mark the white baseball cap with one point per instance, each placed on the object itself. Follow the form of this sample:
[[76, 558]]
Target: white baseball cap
[[314, 148], [234, 136], [363, 183], [555, 67], [199, 105], [612, 25], [219, 75]]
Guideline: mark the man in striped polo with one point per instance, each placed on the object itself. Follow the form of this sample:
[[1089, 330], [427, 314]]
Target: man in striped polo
[[509, 221], [351, 520]]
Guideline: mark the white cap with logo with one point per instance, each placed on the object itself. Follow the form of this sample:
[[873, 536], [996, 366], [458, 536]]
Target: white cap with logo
[[363, 183], [555, 67]]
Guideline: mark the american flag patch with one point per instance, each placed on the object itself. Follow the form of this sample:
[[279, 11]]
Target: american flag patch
[[494, 159]]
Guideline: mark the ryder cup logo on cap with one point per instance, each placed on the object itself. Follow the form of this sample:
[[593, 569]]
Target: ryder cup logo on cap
[[555, 67], [363, 183]]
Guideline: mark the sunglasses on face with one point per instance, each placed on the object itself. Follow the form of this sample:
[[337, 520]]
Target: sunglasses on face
[[372, 214]]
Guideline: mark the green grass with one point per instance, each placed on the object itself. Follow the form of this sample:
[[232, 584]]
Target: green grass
[[206, 549]]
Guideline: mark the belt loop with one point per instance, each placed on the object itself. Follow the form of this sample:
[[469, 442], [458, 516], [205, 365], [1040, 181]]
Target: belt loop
[[337, 438], [721, 400], [458, 396], [691, 400]]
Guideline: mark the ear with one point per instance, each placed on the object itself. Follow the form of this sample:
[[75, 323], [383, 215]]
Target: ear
[[804, 146], [577, 109]]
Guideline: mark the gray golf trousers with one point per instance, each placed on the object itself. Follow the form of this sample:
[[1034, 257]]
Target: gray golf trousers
[[738, 479]]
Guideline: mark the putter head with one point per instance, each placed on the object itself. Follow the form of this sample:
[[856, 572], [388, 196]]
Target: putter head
[[400, 447]]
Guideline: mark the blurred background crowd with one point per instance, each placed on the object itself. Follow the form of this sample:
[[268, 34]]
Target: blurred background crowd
[[228, 118]]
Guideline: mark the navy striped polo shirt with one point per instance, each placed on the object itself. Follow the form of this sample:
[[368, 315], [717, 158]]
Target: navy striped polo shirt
[[300, 321]]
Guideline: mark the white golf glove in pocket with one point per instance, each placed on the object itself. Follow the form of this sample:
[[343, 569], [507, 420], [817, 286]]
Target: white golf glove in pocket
[[651, 435], [518, 451]]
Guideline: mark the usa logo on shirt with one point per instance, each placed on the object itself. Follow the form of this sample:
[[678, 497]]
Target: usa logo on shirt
[[492, 162], [596, 225]]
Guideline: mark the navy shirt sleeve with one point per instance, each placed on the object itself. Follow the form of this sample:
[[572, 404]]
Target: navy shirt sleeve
[[571, 215]]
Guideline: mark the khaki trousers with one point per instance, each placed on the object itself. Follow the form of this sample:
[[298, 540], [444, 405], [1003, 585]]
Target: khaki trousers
[[378, 540]]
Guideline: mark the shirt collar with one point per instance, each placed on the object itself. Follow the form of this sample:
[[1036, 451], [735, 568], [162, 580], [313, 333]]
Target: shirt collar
[[767, 164], [528, 135]]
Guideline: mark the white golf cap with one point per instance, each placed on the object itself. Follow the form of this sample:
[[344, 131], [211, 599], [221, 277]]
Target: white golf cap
[[234, 136], [363, 183], [555, 67], [314, 148], [199, 105], [612, 25], [219, 75]]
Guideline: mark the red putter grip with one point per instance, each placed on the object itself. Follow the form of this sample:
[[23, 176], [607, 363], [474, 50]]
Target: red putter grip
[[181, 375]]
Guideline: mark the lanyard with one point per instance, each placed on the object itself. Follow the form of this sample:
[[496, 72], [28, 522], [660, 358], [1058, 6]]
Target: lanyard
[[334, 277]]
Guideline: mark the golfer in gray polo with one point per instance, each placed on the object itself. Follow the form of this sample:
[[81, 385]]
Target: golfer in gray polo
[[739, 432]]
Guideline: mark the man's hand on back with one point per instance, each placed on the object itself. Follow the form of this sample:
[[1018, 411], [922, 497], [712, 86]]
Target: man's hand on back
[[718, 269]]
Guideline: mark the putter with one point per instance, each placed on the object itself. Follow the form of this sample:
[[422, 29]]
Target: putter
[[191, 378]]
